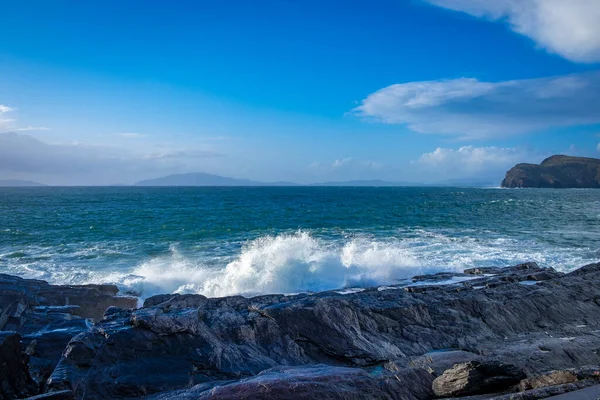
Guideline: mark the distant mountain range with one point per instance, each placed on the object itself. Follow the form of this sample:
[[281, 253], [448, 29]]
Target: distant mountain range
[[203, 179], [18, 183]]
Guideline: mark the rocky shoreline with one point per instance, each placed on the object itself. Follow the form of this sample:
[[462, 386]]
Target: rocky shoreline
[[522, 332]]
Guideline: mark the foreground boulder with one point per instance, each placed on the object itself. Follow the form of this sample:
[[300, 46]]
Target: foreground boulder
[[47, 317], [86, 301], [477, 378]]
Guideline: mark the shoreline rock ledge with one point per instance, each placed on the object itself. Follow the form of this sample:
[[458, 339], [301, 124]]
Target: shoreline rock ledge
[[521, 332], [556, 172]]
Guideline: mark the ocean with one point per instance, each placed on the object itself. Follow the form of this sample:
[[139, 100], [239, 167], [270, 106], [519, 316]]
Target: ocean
[[248, 241]]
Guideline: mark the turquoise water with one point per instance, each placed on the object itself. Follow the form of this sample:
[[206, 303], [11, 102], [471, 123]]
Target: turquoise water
[[222, 241]]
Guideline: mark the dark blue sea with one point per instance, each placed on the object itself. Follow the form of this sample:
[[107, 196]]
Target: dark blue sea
[[224, 241]]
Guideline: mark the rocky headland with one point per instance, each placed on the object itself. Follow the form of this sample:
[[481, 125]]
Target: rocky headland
[[521, 332], [555, 172]]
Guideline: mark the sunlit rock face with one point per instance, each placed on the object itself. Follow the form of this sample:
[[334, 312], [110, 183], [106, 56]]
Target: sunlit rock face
[[555, 172]]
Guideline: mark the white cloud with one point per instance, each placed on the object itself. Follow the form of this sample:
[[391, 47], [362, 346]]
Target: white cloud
[[569, 28], [473, 159], [31, 128], [178, 154], [352, 163], [9, 124], [342, 162], [469, 108]]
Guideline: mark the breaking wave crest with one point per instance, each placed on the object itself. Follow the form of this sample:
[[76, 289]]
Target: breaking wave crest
[[303, 262]]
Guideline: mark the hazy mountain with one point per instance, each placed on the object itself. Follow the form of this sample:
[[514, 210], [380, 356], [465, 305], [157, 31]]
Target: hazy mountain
[[18, 183], [202, 179], [466, 182], [372, 182]]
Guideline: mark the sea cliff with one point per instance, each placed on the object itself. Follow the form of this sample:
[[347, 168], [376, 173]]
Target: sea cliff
[[521, 332], [555, 172]]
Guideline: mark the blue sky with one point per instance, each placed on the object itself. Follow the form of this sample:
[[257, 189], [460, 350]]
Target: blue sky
[[298, 90]]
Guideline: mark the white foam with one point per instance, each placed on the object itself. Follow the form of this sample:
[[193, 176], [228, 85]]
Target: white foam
[[289, 263]]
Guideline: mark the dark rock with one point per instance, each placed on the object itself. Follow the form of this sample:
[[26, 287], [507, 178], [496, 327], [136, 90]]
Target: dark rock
[[15, 381], [477, 378], [91, 300], [319, 381], [569, 391], [48, 316], [555, 172], [369, 344], [61, 395], [481, 270]]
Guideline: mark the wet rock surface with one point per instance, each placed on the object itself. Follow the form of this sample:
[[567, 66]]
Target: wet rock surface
[[46, 317], [15, 381], [521, 331]]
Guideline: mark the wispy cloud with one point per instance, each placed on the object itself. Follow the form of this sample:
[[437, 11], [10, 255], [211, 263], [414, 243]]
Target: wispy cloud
[[31, 128], [472, 109], [9, 124], [5, 122], [569, 28], [346, 164], [131, 135], [182, 154], [341, 162], [472, 161]]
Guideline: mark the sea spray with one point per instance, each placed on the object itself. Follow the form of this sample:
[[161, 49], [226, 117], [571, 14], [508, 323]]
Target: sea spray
[[299, 262]]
